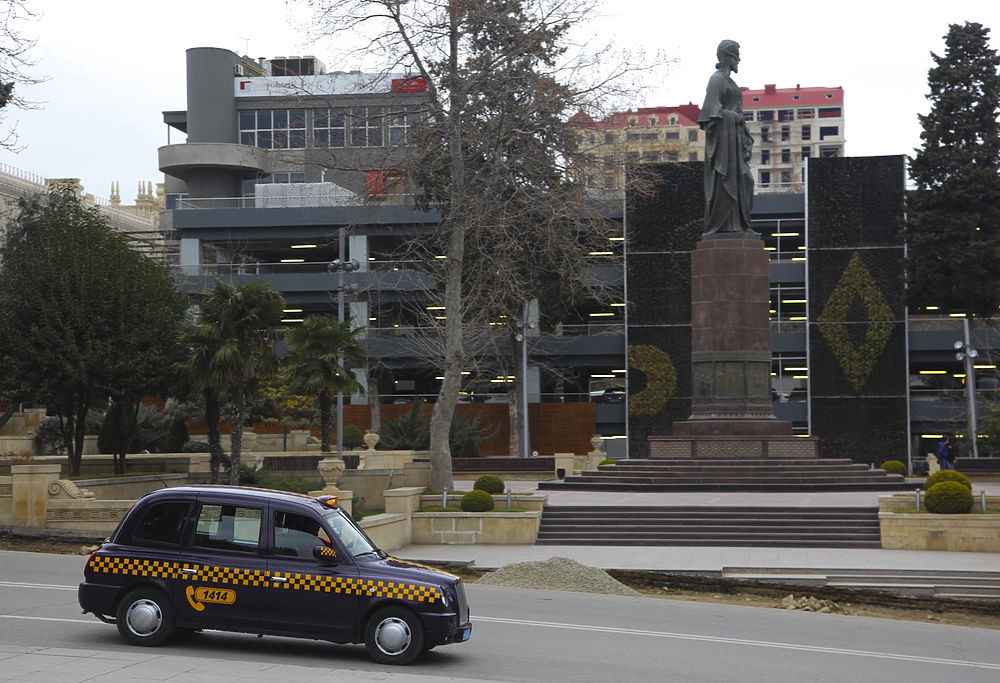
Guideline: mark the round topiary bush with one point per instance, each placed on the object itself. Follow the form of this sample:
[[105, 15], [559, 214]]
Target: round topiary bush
[[947, 475], [949, 498], [608, 461], [489, 483], [477, 501], [894, 467]]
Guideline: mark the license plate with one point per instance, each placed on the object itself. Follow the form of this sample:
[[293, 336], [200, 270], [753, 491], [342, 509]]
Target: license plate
[[465, 634]]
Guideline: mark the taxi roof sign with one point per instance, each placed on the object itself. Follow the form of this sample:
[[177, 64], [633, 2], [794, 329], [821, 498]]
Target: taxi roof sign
[[328, 501]]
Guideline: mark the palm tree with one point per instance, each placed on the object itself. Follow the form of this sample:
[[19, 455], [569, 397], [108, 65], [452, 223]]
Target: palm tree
[[243, 320], [321, 350], [203, 342]]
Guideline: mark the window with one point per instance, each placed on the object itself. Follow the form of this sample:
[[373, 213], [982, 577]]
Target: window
[[765, 134], [366, 126], [693, 135], [692, 156], [294, 66], [633, 137], [786, 114], [671, 156], [829, 152], [631, 156], [673, 120], [652, 136], [330, 127], [765, 116], [786, 156], [807, 113], [610, 138], [806, 152], [807, 132], [609, 182], [786, 134], [673, 135], [829, 112], [285, 177], [652, 121], [765, 177], [297, 535], [747, 116], [786, 177], [162, 524], [349, 535], [273, 128], [650, 156], [632, 121], [402, 121], [228, 527], [765, 156], [828, 131]]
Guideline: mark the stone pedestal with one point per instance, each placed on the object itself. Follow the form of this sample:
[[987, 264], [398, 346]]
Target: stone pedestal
[[30, 490], [730, 355]]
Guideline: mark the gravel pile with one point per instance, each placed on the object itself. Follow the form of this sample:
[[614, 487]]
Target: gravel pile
[[807, 603], [557, 574]]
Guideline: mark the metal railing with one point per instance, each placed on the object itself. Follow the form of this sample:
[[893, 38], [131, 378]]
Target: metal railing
[[291, 201]]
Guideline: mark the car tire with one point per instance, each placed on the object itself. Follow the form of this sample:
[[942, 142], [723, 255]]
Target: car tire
[[394, 635], [145, 617]]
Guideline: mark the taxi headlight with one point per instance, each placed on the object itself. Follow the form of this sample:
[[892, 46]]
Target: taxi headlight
[[444, 596]]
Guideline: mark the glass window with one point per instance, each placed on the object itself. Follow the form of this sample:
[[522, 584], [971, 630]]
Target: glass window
[[692, 156], [765, 156], [349, 535], [247, 120], [247, 137], [228, 527], [263, 119], [296, 118], [610, 138], [692, 136], [329, 127], [786, 177], [765, 134], [807, 113], [399, 127], [786, 156], [806, 152], [163, 523], [765, 116], [673, 135], [366, 126], [786, 114], [281, 119], [765, 177], [828, 132], [296, 535], [786, 134], [807, 132], [829, 112]]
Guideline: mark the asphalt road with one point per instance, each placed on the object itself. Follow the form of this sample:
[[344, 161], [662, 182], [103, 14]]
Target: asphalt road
[[519, 635]]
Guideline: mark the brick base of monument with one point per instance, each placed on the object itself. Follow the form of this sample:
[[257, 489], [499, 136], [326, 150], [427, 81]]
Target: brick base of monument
[[743, 447]]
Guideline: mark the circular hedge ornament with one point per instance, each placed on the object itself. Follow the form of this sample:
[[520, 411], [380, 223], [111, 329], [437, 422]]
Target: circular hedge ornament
[[661, 380]]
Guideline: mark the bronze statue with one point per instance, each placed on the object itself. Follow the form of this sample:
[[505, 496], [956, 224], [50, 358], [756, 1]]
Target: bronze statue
[[728, 146]]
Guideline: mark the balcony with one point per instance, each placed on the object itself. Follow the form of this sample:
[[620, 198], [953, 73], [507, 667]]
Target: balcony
[[183, 159]]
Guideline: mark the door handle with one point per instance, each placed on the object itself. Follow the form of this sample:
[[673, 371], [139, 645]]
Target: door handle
[[279, 579], [189, 571]]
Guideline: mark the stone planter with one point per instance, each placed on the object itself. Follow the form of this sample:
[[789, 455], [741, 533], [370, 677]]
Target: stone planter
[[371, 440], [973, 532], [470, 528]]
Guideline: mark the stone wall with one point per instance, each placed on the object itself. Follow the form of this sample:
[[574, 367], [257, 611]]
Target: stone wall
[[491, 528], [979, 533], [130, 487]]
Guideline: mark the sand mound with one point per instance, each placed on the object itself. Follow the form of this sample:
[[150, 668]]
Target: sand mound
[[557, 574]]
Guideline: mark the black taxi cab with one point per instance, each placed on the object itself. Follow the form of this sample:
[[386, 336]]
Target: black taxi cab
[[266, 562]]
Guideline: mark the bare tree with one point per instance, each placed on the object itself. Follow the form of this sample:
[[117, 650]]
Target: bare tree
[[15, 61], [496, 155]]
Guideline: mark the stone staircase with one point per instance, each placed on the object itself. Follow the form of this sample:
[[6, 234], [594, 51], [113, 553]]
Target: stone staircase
[[961, 585], [817, 527], [732, 474]]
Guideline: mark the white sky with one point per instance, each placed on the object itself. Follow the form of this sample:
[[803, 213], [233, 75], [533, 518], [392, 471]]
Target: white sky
[[114, 66]]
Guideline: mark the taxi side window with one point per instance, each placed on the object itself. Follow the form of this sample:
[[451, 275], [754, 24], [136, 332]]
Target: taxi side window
[[162, 524], [296, 535], [228, 527]]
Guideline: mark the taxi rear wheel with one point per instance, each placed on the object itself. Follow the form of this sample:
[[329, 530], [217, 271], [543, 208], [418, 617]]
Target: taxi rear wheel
[[145, 617], [394, 635]]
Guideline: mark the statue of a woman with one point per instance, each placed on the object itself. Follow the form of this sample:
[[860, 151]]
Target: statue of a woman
[[728, 146]]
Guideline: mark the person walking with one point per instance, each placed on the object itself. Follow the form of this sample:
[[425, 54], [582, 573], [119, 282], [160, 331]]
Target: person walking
[[953, 452], [944, 452]]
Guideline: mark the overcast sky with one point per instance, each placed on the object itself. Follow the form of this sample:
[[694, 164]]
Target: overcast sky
[[113, 66]]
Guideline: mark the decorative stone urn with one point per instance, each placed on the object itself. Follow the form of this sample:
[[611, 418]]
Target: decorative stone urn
[[933, 467], [371, 439], [331, 469]]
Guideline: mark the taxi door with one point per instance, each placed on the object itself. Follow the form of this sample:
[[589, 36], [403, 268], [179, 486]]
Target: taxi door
[[317, 597], [222, 569]]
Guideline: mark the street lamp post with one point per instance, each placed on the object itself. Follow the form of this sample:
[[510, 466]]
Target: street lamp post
[[965, 352], [340, 265]]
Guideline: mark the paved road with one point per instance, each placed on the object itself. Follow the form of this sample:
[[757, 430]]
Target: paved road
[[518, 636]]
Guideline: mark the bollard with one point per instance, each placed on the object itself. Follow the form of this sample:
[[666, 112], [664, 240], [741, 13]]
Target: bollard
[[510, 499], [444, 499], [917, 492], [982, 500]]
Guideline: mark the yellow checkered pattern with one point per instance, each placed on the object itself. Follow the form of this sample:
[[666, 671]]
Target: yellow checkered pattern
[[258, 578]]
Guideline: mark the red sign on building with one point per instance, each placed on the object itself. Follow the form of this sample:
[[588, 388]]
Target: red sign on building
[[409, 85]]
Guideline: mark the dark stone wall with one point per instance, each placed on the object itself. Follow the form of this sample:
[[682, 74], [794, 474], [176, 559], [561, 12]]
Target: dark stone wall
[[664, 219], [857, 345]]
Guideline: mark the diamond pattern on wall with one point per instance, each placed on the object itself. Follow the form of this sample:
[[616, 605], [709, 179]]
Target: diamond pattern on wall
[[856, 284]]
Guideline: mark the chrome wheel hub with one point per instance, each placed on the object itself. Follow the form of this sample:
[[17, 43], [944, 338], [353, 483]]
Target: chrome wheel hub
[[143, 618], [392, 636]]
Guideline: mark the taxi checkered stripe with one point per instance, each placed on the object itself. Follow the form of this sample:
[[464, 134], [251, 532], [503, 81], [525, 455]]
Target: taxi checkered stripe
[[257, 578]]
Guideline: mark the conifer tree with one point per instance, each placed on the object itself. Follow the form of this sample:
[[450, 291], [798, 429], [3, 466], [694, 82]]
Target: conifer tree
[[954, 217]]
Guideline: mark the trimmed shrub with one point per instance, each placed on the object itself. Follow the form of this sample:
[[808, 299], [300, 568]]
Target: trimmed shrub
[[947, 475], [477, 501], [490, 483], [894, 467], [949, 498], [608, 461], [353, 436]]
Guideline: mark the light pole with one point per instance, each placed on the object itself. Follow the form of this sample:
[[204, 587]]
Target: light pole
[[522, 337], [965, 352], [340, 266]]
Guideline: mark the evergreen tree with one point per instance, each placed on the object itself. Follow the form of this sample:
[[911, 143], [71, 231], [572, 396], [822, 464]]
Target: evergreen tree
[[954, 217]]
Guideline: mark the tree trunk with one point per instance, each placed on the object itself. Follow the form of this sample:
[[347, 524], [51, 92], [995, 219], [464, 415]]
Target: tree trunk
[[10, 412], [236, 444], [79, 432], [214, 438], [325, 421], [454, 356], [374, 401]]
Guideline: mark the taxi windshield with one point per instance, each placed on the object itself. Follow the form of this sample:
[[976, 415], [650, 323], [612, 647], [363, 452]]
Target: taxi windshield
[[350, 536]]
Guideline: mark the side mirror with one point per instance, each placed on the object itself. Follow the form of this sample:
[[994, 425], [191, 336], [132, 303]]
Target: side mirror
[[325, 554]]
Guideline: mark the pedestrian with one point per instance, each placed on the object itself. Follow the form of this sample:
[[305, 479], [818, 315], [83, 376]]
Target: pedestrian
[[944, 452], [953, 452]]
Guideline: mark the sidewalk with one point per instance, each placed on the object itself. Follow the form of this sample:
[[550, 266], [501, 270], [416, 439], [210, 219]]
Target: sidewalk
[[684, 558]]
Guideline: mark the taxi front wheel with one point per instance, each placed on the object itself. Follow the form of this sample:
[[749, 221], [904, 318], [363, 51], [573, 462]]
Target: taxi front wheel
[[394, 635], [145, 617]]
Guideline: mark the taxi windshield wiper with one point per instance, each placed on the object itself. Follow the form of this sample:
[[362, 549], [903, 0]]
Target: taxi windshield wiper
[[377, 553]]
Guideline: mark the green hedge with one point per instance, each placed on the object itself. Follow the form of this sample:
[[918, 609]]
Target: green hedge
[[947, 475], [608, 461], [949, 498], [894, 467], [477, 501], [489, 483]]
